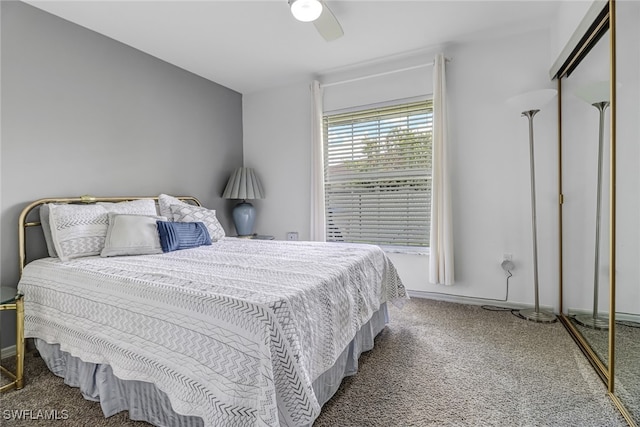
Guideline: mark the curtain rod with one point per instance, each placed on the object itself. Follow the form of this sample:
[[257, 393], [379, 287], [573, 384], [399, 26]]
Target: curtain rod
[[384, 73]]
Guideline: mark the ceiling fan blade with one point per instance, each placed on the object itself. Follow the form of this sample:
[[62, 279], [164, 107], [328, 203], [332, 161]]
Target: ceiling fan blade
[[327, 24]]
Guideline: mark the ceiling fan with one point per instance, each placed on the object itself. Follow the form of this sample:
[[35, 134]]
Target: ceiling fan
[[318, 12]]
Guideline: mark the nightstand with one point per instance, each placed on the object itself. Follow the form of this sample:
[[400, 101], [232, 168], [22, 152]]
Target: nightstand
[[263, 237], [257, 237], [11, 300]]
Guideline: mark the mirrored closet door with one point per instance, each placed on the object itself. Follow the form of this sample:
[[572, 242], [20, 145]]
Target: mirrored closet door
[[586, 128], [626, 383], [599, 151]]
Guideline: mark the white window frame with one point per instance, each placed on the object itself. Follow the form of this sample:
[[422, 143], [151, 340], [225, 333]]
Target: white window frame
[[420, 174]]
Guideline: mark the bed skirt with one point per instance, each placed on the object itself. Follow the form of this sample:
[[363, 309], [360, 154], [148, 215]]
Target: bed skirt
[[146, 402]]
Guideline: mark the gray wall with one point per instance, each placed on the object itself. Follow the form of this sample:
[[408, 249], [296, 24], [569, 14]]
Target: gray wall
[[84, 114]]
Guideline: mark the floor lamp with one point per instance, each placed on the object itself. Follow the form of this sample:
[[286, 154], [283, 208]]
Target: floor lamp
[[596, 94], [529, 104]]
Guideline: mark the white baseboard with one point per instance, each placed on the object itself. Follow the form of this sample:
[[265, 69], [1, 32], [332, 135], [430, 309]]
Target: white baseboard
[[460, 299], [8, 351], [627, 317], [620, 317]]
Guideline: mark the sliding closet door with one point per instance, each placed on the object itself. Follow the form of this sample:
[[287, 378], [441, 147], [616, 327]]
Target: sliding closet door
[[585, 186], [627, 328]]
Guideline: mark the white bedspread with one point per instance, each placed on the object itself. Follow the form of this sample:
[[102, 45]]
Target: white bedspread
[[234, 333]]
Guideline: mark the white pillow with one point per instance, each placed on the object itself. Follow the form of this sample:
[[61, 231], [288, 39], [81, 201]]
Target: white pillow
[[189, 213], [77, 230], [132, 235], [164, 205], [46, 230], [134, 207]]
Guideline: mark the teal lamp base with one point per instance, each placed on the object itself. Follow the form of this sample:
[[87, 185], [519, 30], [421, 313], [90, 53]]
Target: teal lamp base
[[244, 216]]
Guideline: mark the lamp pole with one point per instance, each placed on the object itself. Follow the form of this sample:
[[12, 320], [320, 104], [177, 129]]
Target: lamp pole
[[593, 320], [534, 314]]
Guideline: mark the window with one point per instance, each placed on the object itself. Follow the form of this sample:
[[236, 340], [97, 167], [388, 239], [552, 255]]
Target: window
[[377, 166]]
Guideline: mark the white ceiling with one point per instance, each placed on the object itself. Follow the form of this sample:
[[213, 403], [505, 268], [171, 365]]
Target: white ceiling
[[253, 45]]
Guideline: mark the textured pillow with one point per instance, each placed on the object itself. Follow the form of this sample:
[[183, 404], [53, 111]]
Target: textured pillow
[[164, 205], [182, 235], [46, 230], [78, 230], [132, 235], [189, 213], [134, 207]]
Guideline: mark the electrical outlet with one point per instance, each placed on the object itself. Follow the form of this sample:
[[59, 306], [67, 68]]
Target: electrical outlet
[[292, 235], [507, 263]]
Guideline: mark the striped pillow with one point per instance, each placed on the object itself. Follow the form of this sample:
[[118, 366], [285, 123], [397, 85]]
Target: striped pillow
[[78, 230], [182, 235]]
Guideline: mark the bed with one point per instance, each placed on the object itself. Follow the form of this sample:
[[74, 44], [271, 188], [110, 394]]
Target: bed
[[231, 332]]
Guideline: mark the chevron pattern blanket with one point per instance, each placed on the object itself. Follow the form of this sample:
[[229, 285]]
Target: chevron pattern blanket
[[234, 333]]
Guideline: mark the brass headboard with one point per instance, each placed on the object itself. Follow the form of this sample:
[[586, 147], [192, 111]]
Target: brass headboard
[[24, 223]]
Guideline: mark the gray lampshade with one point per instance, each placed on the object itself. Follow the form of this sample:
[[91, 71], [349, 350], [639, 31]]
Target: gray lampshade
[[243, 184]]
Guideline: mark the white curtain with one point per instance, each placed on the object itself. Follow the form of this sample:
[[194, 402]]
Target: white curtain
[[318, 232], [441, 239]]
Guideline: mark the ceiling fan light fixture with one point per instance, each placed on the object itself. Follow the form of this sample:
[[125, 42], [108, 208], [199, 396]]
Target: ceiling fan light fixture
[[306, 10]]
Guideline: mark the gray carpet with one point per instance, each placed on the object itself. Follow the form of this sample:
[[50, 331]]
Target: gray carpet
[[627, 368], [436, 364]]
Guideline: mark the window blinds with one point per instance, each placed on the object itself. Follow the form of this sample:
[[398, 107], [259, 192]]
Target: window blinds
[[377, 165]]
